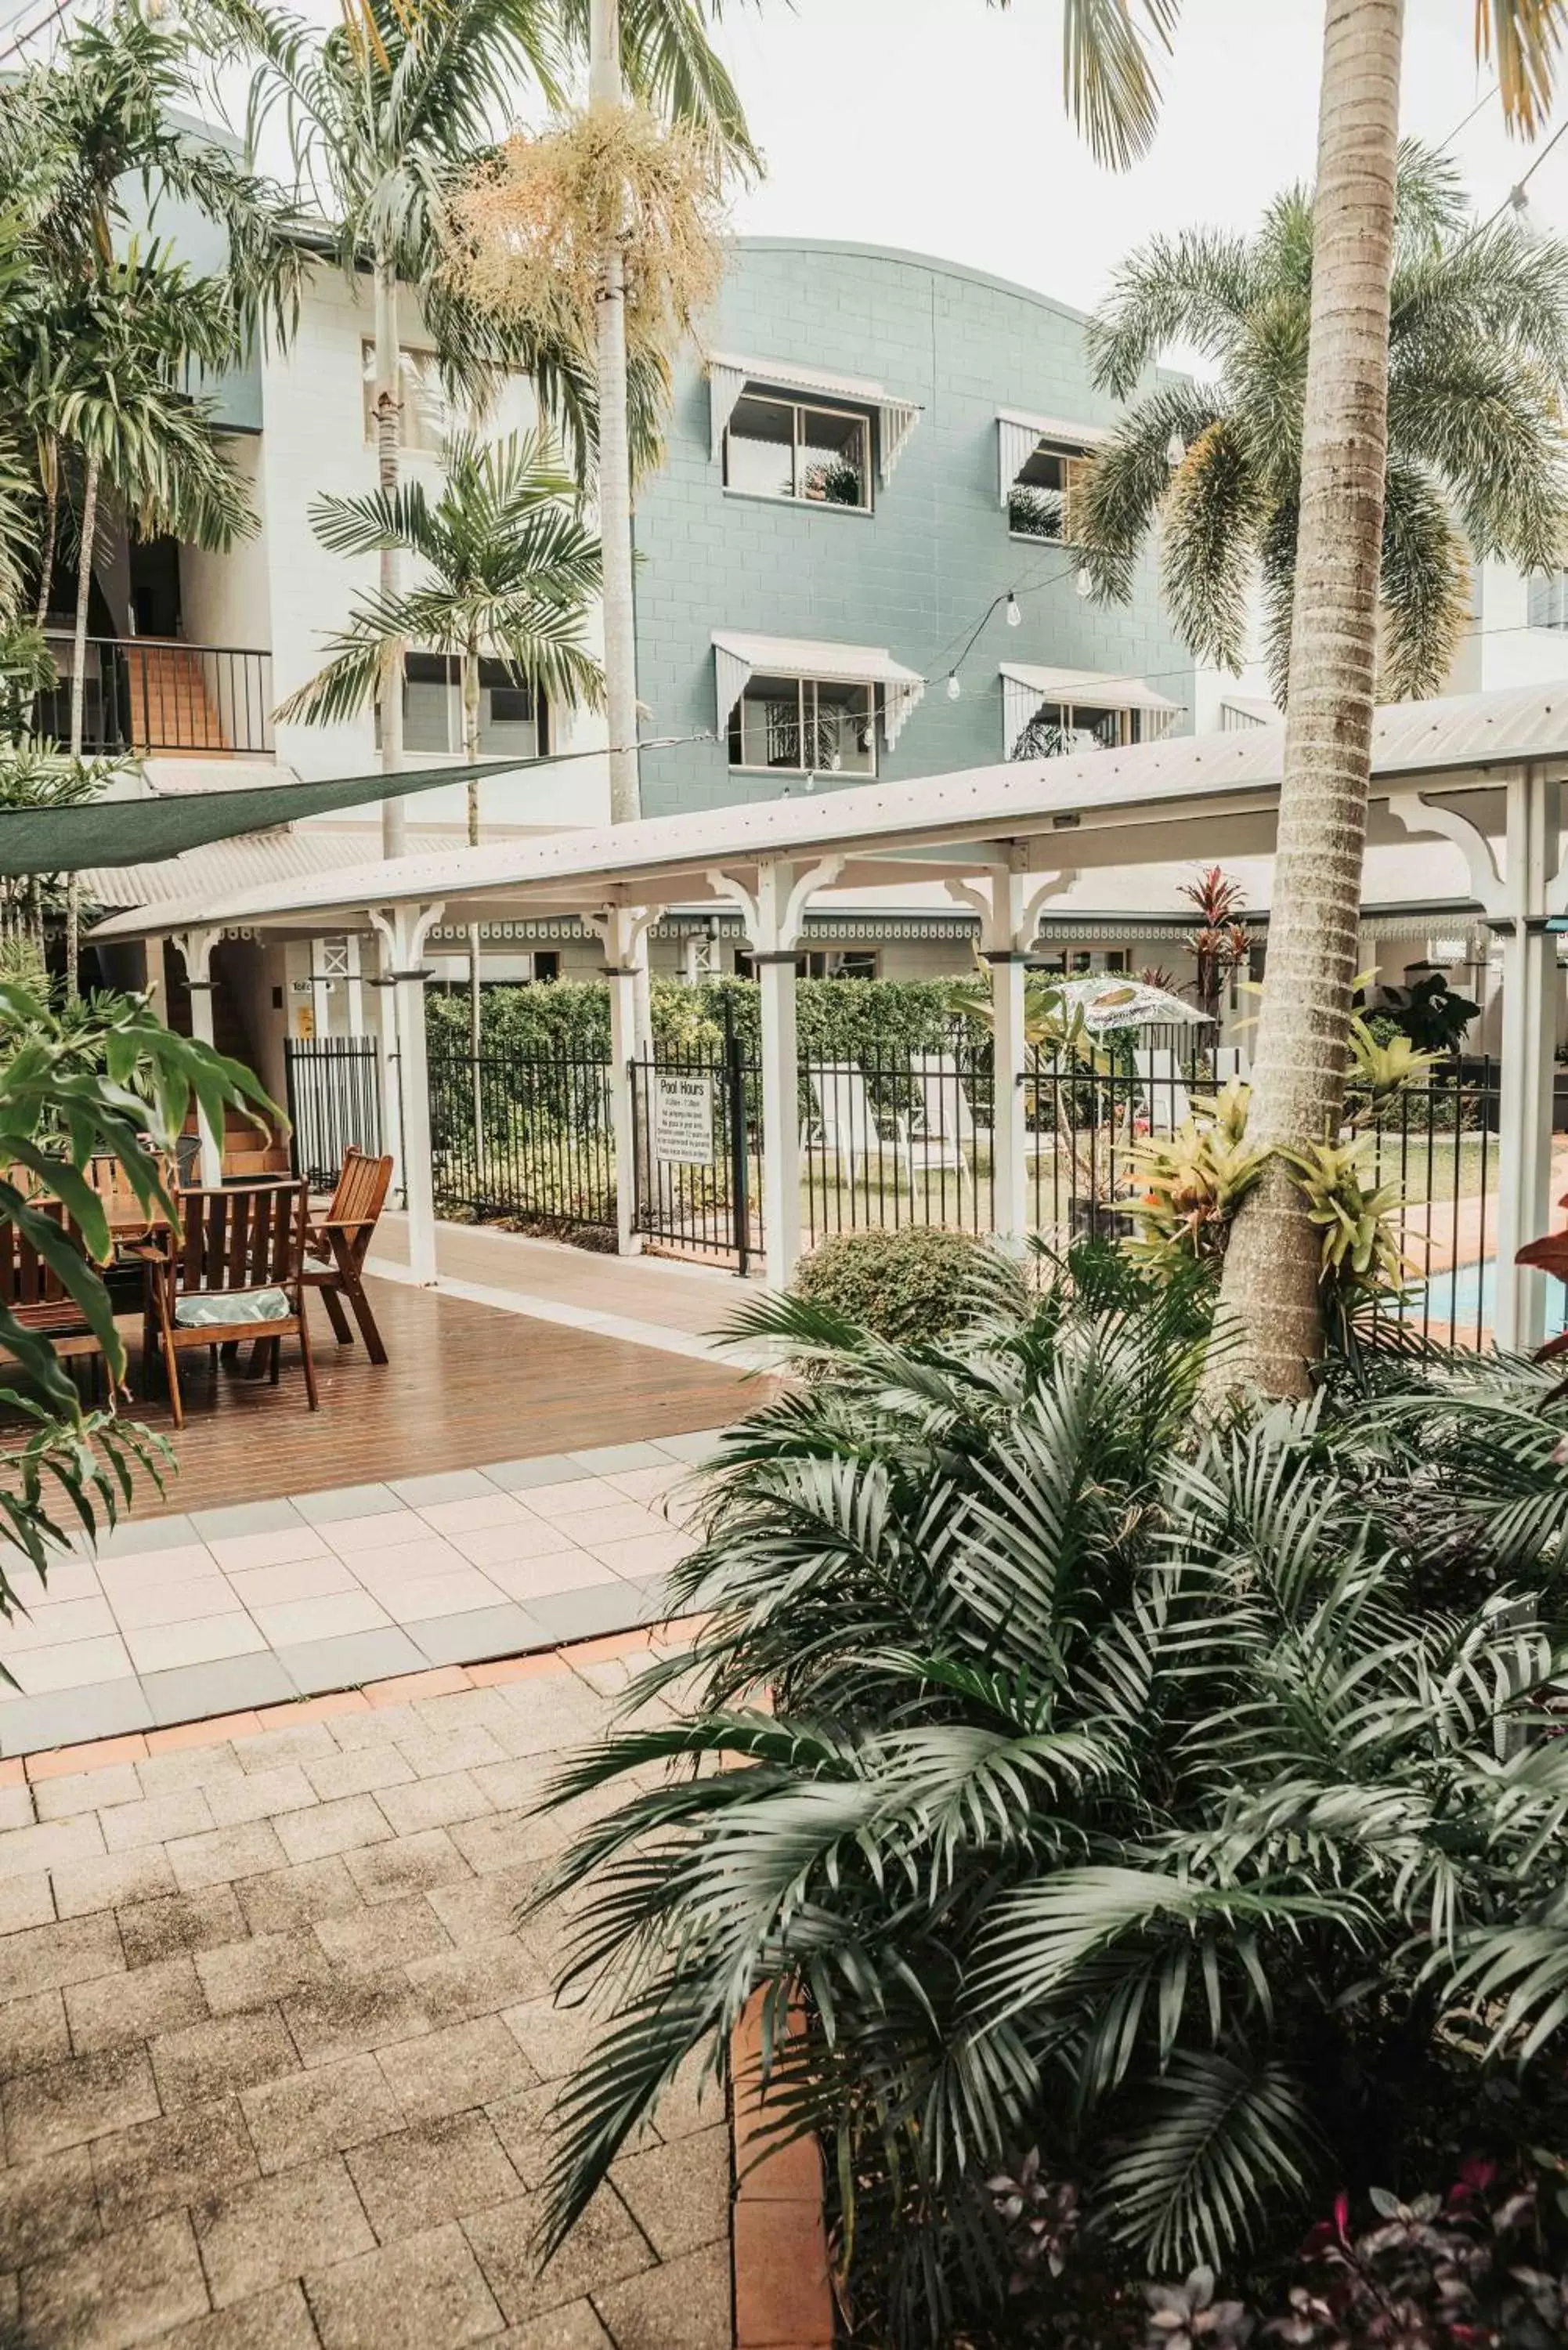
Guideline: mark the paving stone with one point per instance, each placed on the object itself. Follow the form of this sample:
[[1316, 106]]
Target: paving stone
[[163, 2165], [224, 1686], [426, 2292], [694, 2101], [679, 2195], [262, 1968], [348, 1662], [63, 1797], [156, 1819], [505, 1839], [121, 2290], [392, 1934], [25, 1901], [281, 2226], [261, 1795], [293, 1746], [219, 2058], [443, 2170], [433, 1802], [278, 2320], [360, 1772], [66, 2105], [522, 2123], [380, 1725], [555, 2039], [118, 1878], [352, 2012], [483, 1909], [342, 1826], [74, 1717], [464, 2064], [188, 1766], [573, 2328], [319, 2111], [46, 2207], [442, 1485], [478, 1979], [346, 1502], [412, 1864], [540, 1469], [183, 1921], [33, 2032], [225, 1853], [684, 2305], [118, 2011], [23, 1851], [503, 1630], [604, 2246], [232, 1518], [433, 1752], [283, 1898]]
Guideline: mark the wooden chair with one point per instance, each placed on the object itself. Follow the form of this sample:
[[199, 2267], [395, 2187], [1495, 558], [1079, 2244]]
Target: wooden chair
[[336, 1248], [233, 1272], [1550, 1254], [40, 1300]]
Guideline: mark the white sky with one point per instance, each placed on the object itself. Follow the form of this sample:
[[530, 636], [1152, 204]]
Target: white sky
[[939, 125]]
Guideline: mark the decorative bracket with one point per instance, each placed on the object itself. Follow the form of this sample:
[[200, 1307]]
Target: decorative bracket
[[402, 931], [623, 930], [1418, 817], [1008, 918]]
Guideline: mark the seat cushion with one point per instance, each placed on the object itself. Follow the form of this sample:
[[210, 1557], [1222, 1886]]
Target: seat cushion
[[232, 1306]]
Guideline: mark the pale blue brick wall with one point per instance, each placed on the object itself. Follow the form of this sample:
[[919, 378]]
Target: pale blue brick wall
[[917, 573]]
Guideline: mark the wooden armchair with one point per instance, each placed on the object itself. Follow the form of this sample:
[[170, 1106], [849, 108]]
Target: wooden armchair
[[336, 1248], [233, 1273], [38, 1298]]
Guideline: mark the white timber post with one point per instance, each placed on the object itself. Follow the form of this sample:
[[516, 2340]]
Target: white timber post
[[196, 952], [624, 930], [403, 931], [1518, 895], [772, 917], [1008, 902], [386, 1063]]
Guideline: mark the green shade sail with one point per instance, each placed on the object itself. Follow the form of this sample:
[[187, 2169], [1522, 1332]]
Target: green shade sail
[[145, 831]]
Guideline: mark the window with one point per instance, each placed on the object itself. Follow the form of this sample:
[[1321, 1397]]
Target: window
[[512, 723], [853, 962], [1040, 503], [784, 449], [1548, 606], [1060, 730], [427, 417], [804, 725]]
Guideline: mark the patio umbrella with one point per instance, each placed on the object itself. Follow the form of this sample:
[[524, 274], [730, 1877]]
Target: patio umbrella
[[1106, 1000]]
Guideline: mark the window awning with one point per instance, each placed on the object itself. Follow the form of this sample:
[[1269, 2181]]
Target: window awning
[[729, 376], [1019, 436], [737, 659], [1025, 687]]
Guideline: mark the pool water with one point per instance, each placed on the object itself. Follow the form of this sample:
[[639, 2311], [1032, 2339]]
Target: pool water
[[1464, 1298]]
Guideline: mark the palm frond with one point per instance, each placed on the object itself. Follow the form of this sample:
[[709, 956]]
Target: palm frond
[[1220, 2143]]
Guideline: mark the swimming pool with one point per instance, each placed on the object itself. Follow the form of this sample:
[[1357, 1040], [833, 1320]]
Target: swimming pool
[[1464, 1298]]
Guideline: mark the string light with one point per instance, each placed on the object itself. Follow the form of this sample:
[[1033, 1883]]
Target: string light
[[1014, 616], [954, 688]]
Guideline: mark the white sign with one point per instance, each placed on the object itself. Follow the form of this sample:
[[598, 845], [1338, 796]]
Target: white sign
[[682, 1120]]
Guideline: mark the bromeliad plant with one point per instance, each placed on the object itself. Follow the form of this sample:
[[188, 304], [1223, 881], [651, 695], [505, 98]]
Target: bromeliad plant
[[1086, 1786]]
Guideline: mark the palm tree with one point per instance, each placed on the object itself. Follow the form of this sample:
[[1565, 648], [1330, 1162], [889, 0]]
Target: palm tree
[[382, 110], [1477, 455], [507, 572], [1271, 1296]]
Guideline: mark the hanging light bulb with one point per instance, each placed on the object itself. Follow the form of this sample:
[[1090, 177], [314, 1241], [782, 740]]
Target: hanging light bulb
[[1014, 617], [1519, 198], [954, 688], [1083, 584], [1174, 451]]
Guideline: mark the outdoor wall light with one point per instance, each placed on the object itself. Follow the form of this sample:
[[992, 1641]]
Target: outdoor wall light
[[954, 688]]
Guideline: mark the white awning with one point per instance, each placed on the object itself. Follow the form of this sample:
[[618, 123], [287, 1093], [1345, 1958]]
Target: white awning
[[1019, 436], [729, 376], [737, 659], [1024, 687]]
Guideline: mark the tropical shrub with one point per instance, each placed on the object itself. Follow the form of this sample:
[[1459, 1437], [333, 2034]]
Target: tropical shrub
[[1153, 1798], [916, 1283]]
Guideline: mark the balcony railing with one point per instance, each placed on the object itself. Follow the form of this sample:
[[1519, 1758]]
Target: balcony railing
[[159, 694]]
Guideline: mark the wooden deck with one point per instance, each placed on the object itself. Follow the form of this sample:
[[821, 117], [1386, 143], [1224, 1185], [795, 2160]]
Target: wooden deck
[[466, 1384]]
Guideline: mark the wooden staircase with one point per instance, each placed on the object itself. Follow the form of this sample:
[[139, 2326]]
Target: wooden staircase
[[248, 1152], [170, 708]]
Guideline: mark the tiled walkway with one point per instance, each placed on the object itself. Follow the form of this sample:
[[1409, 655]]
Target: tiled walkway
[[277, 2059], [184, 1617]]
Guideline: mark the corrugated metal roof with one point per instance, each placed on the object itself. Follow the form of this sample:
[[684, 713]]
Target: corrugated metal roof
[[251, 860], [935, 823]]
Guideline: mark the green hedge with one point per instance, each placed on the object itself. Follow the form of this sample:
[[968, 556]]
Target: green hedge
[[837, 1019], [912, 1283]]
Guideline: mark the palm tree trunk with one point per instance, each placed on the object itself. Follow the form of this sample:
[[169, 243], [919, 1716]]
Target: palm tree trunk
[[388, 412], [1270, 1297], [51, 456], [470, 753], [79, 693], [605, 88]]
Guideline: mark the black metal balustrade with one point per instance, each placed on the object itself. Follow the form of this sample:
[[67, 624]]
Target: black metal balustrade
[[156, 694]]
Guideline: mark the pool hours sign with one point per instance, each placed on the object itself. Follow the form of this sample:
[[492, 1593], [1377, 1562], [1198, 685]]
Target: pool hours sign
[[682, 1120]]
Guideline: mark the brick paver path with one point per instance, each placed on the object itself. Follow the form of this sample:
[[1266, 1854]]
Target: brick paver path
[[275, 2060]]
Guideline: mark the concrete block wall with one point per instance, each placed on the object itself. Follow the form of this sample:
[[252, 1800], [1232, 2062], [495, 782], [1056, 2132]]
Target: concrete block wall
[[916, 574]]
